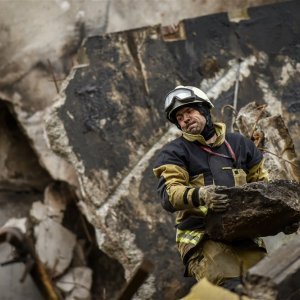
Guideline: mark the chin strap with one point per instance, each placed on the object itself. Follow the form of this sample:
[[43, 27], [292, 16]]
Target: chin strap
[[209, 129], [208, 132]]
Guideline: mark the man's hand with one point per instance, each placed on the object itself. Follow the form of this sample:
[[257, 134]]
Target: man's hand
[[208, 197]]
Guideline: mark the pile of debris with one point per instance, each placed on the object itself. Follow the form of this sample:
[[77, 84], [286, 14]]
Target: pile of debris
[[42, 222]]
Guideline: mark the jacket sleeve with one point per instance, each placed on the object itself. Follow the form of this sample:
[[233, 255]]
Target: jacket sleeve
[[173, 184], [255, 163], [258, 173]]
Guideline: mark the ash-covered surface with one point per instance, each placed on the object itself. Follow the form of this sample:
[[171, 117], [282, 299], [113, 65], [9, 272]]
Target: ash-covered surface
[[256, 209], [112, 111]]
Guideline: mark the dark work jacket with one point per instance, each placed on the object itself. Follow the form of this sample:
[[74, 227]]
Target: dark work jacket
[[183, 166]]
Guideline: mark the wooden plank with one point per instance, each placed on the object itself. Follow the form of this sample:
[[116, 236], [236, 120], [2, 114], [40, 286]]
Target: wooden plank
[[278, 275], [138, 278]]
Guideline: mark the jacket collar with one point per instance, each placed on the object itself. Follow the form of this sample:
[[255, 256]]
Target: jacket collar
[[220, 131]]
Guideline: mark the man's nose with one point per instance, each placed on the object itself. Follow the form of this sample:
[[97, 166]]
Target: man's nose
[[186, 118]]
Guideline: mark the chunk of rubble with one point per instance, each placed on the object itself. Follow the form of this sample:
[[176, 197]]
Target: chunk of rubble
[[76, 284], [54, 246], [21, 223], [56, 201], [272, 137], [79, 255], [38, 212], [256, 209], [56, 197]]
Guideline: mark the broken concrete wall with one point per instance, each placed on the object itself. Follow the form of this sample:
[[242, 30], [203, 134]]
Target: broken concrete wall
[[108, 121]]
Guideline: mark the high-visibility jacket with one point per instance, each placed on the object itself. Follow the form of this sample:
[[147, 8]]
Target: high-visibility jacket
[[188, 163]]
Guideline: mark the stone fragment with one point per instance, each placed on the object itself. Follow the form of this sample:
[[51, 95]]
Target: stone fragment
[[76, 284], [21, 223], [56, 198], [66, 282], [38, 212], [54, 246], [256, 209], [272, 137], [79, 255], [10, 275]]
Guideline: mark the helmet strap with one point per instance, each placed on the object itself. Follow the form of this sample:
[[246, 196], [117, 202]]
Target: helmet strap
[[208, 132], [209, 129]]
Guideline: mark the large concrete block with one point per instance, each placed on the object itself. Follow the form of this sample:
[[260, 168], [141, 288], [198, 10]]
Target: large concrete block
[[257, 209]]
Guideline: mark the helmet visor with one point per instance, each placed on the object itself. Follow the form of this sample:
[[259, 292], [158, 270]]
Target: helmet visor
[[183, 95]]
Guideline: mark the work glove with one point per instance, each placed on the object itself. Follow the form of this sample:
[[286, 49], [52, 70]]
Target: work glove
[[209, 198]]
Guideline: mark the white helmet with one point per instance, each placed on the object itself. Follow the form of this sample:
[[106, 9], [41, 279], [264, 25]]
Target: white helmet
[[183, 95]]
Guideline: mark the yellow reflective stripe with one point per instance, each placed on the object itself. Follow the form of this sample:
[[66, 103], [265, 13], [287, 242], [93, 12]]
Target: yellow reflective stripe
[[187, 241], [189, 232], [203, 209], [188, 236]]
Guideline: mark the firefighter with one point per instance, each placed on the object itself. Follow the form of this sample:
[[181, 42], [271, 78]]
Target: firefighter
[[188, 170]]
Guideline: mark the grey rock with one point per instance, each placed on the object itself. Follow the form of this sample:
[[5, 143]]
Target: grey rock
[[256, 209], [54, 246]]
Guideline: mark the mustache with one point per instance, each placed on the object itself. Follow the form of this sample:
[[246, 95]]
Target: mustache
[[189, 124]]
